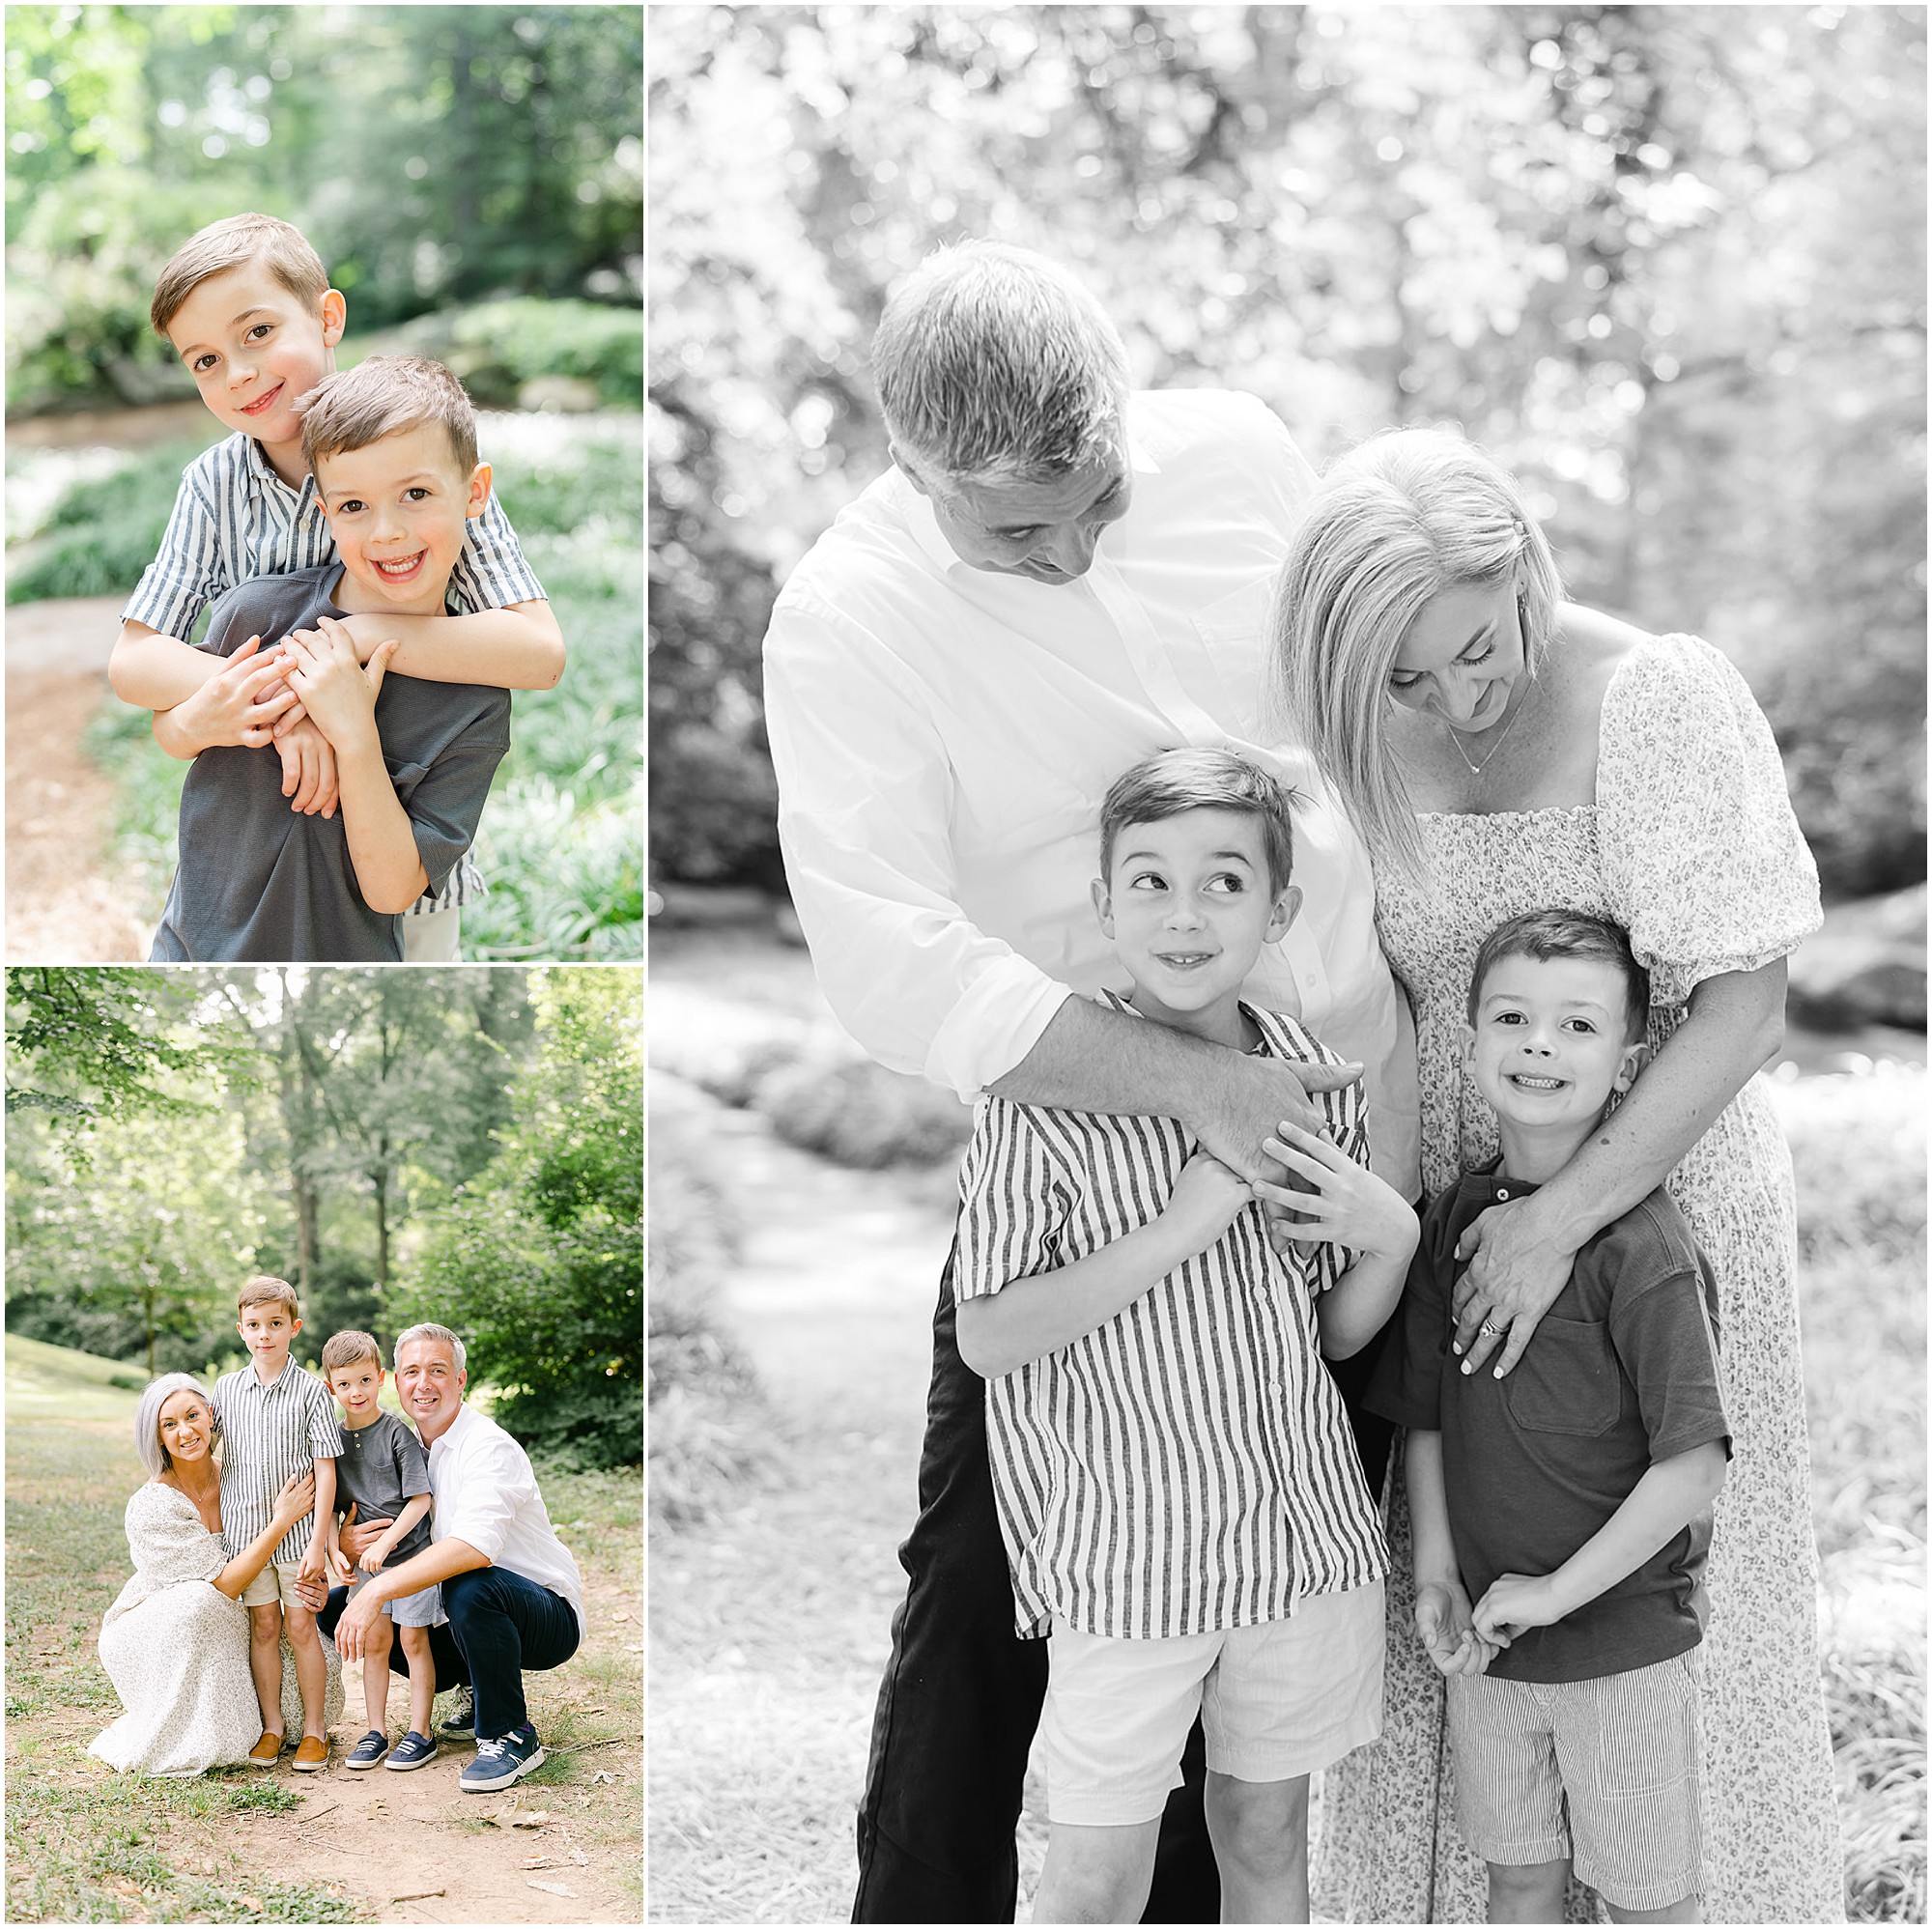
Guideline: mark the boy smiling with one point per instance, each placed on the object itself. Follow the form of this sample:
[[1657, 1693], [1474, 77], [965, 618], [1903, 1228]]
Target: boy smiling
[[393, 445]]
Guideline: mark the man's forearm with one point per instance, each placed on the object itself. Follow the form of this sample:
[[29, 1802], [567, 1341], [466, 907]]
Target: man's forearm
[[1093, 1060], [438, 1562], [381, 844], [516, 647]]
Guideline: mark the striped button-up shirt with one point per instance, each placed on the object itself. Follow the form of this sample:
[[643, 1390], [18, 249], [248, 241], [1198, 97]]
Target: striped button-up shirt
[[235, 519], [1186, 1466], [268, 1432]]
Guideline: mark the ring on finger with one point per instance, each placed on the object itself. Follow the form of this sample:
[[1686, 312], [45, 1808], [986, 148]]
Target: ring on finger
[[1489, 1326]]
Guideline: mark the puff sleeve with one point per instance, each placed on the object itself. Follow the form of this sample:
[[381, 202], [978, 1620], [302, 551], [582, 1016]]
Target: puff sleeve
[[1702, 855]]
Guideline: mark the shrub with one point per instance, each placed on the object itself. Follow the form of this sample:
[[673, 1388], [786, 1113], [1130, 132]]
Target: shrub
[[498, 347]]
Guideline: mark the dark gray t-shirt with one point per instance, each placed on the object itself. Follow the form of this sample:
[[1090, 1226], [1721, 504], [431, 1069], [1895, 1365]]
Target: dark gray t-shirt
[[381, 1467], [259, 882]]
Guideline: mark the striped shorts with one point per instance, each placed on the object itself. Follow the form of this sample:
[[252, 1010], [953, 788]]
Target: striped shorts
[[1604, 1771]]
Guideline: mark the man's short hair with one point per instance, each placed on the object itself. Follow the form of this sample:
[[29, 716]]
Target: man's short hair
[[344, 1350], [265, 1290], [1544, 935], [994, 365], [430, 1330], [155, 1395], [383, 396], [1176, 780], [234, 243]]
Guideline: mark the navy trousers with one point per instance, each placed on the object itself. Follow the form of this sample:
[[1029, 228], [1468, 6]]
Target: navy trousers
[[961, 1697], [499, 1625]]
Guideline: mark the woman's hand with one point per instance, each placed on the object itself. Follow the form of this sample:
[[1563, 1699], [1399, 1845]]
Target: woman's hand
[[1513, 1279], [295, 1499]]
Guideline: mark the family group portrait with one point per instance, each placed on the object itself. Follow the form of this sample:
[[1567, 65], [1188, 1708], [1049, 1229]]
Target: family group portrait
[[323, 929], [323, 484], [323, 1445], [1286, 898]]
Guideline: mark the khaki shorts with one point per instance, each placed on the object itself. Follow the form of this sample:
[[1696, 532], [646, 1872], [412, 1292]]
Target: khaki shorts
[[1276, 1701], [276, 1582], [433, 937], [1605, 1770]]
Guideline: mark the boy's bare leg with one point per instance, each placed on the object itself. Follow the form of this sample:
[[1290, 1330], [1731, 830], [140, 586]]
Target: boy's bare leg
[[1685, 1908], [422, 1679], [376, 1674], [265, 1661], [311, 1671], [1527, 1891], [1259, 1832], [1095, 1874]]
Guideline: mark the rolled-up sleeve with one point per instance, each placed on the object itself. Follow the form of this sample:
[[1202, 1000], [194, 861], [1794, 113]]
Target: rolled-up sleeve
[[493, 1482], [865, 808]]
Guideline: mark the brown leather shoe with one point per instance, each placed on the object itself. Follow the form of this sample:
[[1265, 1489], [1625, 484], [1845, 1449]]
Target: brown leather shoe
[[313, 1754], [267, 1751]]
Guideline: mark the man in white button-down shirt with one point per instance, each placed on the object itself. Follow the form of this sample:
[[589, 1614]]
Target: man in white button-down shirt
[[1056, 579], [511, 1590]]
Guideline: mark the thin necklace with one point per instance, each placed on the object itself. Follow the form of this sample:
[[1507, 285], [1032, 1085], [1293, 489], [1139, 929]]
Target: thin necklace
[[1455, 736]]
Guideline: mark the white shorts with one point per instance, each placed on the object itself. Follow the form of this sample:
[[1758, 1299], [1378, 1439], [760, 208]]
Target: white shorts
[[433, 937], [276, 1582], [1277, 1701]]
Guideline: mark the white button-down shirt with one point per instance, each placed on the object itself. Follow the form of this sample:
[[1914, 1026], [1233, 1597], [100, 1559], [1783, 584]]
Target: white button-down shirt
[[485, 1492], [943, 737]]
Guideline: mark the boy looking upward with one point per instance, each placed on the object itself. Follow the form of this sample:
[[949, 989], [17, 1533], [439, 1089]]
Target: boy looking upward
[[1183, 1509], [383, 1475], [276, 1422], [1571, 1501], [393, 447], [248, 307]]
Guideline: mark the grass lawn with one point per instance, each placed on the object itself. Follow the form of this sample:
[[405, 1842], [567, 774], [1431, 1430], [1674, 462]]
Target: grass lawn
[[85, 1844]]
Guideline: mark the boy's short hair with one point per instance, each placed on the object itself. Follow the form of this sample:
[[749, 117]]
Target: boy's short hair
[[234, 243], [1172, 781], [265, 1290], [1544, 935], [343, 1349], [383, 396]]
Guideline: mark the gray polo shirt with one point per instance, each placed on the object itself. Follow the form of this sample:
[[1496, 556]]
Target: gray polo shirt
[[258, 882], [381, 1467]]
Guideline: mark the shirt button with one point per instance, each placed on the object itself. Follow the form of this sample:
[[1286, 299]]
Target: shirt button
[[1502, 1192]]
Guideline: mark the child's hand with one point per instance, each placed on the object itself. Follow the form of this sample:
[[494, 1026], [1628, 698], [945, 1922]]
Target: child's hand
[[1208, 1197], [339, 1569], [309, 768], [1446, 1628], [1347, 1205], [372, 1561], [339, 692], [368, 632], [1515, 1601], [314, 1563], [240, 703]]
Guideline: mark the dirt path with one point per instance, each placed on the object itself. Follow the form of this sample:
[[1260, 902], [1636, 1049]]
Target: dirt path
[[769, 1624], [63, 905]]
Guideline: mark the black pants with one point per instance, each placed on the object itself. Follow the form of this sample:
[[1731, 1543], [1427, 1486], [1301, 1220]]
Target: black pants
[[961, 1694], [499, 1626]]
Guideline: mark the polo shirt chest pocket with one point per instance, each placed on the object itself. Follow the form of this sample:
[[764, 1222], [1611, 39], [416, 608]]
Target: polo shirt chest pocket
[[1568, 1380]]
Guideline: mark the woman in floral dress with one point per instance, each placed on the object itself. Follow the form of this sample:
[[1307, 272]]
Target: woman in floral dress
[[1502, 750]]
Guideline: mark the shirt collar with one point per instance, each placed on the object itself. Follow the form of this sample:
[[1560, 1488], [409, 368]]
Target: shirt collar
[[453, 1435], [923, 526], [264, 1388], [262, 474]]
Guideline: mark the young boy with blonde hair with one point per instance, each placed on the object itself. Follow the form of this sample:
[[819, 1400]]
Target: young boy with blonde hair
[[247, 305], [275, 1422], [392, 447], [384, 1475], [1183, 1505]]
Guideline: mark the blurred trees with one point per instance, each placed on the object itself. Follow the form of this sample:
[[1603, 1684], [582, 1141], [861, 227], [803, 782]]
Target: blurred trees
[[329, 1126], [435, 156], [1635, 251]]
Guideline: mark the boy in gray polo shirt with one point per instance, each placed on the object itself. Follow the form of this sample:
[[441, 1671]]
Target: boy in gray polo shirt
[[384, 1474], [393, 445], [1570, 1502]]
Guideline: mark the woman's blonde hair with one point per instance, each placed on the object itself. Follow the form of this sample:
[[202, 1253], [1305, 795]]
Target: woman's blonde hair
[[1411, 513]]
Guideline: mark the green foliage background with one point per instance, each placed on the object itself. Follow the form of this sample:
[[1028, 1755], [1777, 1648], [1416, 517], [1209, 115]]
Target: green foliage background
[[1639, 252], [436, 1143]]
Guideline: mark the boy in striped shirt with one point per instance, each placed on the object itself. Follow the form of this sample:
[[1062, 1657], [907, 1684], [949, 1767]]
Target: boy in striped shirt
[[1183, 1509], [248, 307], [1570, 1502], [277, 1420]]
